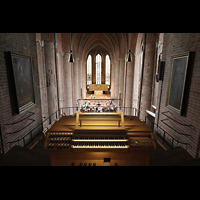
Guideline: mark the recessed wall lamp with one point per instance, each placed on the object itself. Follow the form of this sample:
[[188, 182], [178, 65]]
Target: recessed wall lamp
[[128, 59], [160, 69]]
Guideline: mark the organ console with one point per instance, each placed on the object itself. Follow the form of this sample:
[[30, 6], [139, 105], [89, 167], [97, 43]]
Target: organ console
[[99, 144]]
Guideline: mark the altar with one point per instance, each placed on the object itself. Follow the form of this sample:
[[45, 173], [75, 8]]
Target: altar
[[98, 88], [98, 92]]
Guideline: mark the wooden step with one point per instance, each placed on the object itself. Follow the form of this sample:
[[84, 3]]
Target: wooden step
[[170, 157]]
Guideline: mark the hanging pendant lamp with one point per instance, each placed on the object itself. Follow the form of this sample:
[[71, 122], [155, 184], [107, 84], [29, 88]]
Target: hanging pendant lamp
[[128, 59], [71, 59]]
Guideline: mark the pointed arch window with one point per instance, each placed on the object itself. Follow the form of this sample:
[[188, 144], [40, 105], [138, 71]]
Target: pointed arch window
[[98, 69], [89, 70], [107, 70]]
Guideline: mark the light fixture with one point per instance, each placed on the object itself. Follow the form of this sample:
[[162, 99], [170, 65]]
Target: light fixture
[[128, 59], [71, 59]]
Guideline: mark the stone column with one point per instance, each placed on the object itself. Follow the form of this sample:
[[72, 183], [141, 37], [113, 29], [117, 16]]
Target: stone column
[[121, 75], [75, 81], [84, 75], [136, 80], [112, 72], [68, 84], [42, 78], [129, 86], [49, 53], [148, 74], [80, 77], [116, 71], [60, 75]]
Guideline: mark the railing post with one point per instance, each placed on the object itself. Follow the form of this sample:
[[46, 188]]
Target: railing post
[[172, 143], [1, 141], [164, 137], [31, 137], [49, 119], [24, 141]]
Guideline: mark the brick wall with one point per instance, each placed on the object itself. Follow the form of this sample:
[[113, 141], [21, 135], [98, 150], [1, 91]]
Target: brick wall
[[45, 82], [25, 44], [175, 43]]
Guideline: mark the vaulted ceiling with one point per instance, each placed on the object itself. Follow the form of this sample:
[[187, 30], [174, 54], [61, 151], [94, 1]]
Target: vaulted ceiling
[[115, 44]]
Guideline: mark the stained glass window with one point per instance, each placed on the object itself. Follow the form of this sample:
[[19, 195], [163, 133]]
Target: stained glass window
[[107, 74], [98, 69], [89, 70]]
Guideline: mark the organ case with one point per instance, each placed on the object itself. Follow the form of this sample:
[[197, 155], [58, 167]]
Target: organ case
[[95, 145]]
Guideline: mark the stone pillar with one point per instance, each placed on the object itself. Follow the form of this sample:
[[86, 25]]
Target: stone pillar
[[68, 84], [112, 83], [116, 71], [60, 75], [136, 80], [80, 77], [129, 86], [84, 75], [148, 74], [121, 76], [49, 53], [42, 78], [75, 81]]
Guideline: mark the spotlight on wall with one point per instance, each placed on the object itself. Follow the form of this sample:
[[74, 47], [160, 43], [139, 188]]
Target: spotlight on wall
[[160, 70], [71, 59], [160, 74], [128, 59]]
